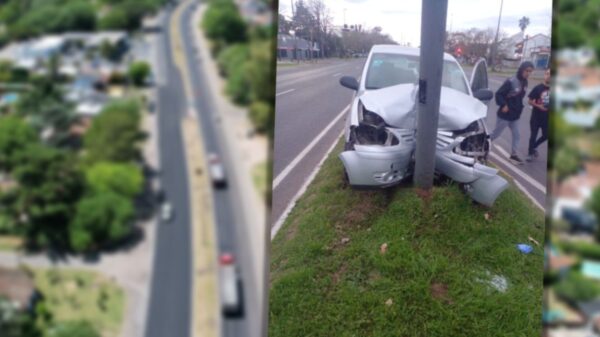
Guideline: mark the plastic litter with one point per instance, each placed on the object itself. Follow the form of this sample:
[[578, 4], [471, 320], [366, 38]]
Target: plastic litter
[[525, 249]]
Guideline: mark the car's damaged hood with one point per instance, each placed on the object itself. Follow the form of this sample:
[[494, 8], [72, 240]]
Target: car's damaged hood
[[396, 105]]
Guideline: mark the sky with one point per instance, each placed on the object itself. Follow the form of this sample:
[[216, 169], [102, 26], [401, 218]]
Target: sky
[[402, 19]]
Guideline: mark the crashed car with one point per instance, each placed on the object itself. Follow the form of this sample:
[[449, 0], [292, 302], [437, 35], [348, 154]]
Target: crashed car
[[381, 125]]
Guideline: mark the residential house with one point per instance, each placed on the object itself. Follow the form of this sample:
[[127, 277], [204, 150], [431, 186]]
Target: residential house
[[292, 48], [574, 191], [519, 48], [537, 50]]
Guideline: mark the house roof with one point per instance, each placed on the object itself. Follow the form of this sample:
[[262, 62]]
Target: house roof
[[16, 285], [558, 262]]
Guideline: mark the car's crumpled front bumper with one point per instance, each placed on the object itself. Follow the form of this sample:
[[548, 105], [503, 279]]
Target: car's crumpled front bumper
[[387, 165]]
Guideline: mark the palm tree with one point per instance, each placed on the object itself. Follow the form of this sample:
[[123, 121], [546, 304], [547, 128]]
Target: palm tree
[[523, 23]]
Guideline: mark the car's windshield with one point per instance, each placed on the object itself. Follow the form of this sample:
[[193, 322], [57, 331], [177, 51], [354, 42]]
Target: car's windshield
[[386, 70]]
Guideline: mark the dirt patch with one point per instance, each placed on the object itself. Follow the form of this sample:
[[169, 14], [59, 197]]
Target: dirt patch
[[337, 276], [439, 291]]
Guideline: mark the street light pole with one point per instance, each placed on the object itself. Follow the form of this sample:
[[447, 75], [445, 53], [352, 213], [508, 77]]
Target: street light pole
[[433, 35], [495, 46]]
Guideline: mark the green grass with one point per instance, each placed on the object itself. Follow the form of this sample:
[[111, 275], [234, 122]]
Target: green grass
[[73, 295], [437, 270]]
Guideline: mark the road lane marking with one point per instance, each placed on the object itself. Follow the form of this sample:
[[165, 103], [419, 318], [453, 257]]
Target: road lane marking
[[520, 173], [284, 92], [336, 74], [524, 190], [306, 150], [277, 226]]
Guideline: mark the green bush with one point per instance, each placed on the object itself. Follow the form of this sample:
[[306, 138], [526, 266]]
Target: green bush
[[232, 57], [222, 21], [237, 84], [101, 218], [138, 72], [261, 114], [576, 287], [583, 249]]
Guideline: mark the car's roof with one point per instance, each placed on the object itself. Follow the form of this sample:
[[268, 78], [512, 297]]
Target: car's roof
[[397, 49]]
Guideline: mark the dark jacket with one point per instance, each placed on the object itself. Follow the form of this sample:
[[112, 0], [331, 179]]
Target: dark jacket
[[511, 93]]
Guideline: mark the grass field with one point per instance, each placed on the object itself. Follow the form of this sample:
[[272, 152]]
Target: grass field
[[74, 295], [447, 269]]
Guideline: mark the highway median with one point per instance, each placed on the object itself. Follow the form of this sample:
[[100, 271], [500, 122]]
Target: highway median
[[394, 263]]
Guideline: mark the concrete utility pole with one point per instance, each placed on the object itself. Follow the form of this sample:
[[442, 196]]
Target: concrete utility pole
[[495, 46], [433, 36]]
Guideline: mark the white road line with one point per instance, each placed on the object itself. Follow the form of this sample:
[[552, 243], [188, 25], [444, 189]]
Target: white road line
[[306, 150], [535, 202], [336, 74], [285, 92], [522, 174], [277, 226]]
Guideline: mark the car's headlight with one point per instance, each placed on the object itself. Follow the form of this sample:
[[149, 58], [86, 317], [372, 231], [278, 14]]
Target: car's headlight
[[370, 118]]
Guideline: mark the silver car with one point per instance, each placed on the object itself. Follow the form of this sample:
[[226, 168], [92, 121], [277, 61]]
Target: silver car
[[381, 125], [230, 286]]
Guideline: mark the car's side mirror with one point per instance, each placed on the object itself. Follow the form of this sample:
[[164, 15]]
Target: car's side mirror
[[349, 82], [484, 94]]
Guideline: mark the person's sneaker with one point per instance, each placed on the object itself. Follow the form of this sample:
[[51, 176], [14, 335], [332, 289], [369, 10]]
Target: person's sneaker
[[530, 157], [516, 160], [535, 154]]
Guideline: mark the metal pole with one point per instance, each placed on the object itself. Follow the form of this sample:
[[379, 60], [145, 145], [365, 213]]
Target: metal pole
[[433, 34], [495, 46]]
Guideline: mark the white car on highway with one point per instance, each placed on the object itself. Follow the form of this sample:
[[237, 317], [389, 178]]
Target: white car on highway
[[217, 170], [166, 212], [381, 125], [230, 286]]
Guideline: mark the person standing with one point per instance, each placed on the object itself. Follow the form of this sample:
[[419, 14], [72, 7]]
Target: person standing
[[539, 99], [509, 99]]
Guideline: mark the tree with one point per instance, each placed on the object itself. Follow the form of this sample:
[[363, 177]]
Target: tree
[[222, 22], [15, 136], [77, 16], [46, 111], [116, 19], [123, 179], [570, 35], [74, 329], [259, 72], [139, 72], [523, 23], [566, 162], [115, 134], [100, 219], [232, 56], [49, 186]]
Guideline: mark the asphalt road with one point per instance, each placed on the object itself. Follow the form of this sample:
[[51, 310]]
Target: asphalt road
[[309, 98], [171, 290], [169, 313], [228, 216]]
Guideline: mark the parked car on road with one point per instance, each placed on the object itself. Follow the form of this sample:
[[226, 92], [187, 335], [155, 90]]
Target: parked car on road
[[381, 125], [230, 286], [217, 170]]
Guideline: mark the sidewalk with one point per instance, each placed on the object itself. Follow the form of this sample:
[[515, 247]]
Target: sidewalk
[[244, 153]]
